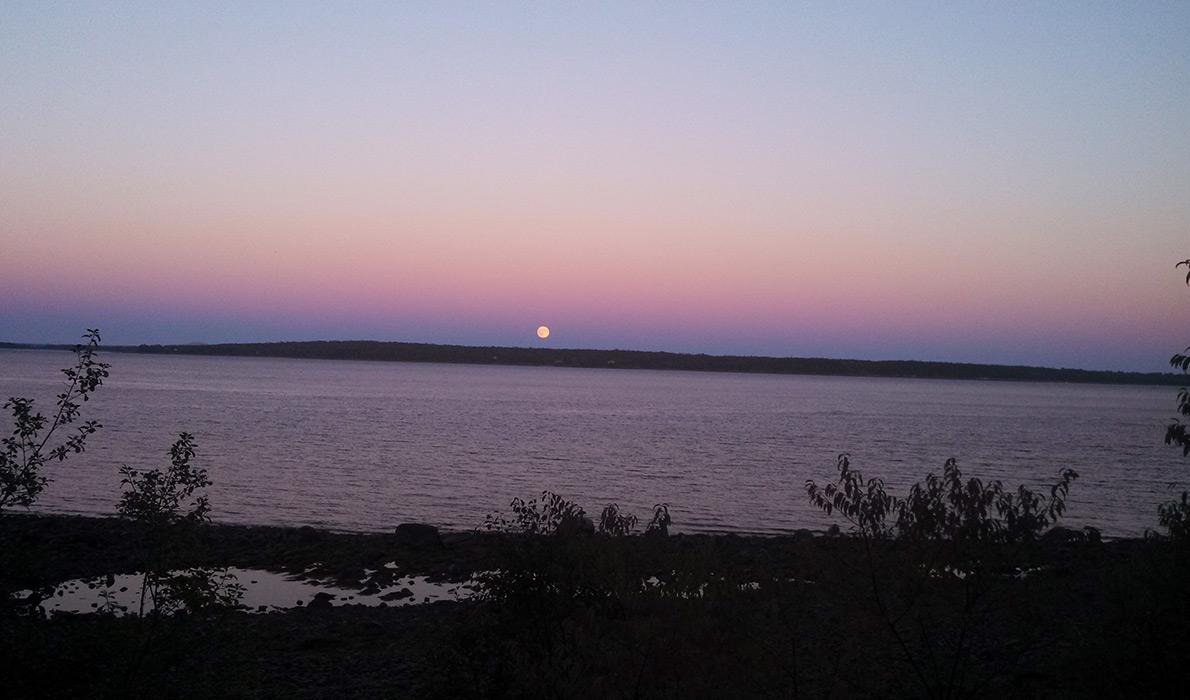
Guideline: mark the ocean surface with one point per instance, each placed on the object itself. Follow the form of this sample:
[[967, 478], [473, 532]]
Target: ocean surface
[[364, 446]]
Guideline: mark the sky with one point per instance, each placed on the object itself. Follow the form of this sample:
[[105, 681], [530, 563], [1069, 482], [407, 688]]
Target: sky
[[974, 182]]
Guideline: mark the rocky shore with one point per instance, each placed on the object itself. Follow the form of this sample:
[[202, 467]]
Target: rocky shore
[[593, 616]]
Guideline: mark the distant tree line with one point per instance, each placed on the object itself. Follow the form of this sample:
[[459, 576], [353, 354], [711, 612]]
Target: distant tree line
[[637, 359]]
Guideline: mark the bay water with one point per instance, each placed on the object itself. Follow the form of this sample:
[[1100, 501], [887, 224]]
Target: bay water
[[364, 446]]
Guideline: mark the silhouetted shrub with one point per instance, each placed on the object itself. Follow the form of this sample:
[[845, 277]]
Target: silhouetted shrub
[[863, 503], [614, 522], [535, 565], [1174, 516], [659, 524], [1175, 432], [931, 560], [167, 504], [534, 517], [942, 508], [161, 499], [25, 452]]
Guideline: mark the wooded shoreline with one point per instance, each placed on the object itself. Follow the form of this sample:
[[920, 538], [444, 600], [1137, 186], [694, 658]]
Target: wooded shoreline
[[384, 351]]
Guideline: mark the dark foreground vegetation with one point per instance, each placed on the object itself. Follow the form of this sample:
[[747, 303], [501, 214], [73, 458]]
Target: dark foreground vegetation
[[600, 615], [635, 359]]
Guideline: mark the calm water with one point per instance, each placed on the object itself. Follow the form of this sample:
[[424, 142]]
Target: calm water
[[365, 446]]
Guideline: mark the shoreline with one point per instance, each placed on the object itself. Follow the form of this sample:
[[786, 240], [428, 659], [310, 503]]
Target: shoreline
[[791, 533], [61, 547], [734, 616]]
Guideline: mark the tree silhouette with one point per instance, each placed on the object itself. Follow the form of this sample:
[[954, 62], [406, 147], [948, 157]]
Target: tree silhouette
[[25, 452], [1175, 432]]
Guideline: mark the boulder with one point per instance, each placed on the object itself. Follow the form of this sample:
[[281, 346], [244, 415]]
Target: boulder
[[418, 535], [321, 601], [398, 595]]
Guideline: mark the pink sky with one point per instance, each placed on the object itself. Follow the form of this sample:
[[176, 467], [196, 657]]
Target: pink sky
[[986, 186]]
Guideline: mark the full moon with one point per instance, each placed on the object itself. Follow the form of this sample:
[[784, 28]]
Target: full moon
[[543, 332]]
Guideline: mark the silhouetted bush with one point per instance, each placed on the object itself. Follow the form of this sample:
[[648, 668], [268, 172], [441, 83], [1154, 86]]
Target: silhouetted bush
[[168, 504], [932, 560], [660, 522], [1175, 432], [942, 508], [534, 517], [1174, 516], [616, 523], [26, 451], [545, 555]]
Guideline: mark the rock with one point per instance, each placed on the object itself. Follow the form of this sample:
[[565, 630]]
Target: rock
[[321, 601], [575, 525], [802, 535], [398, 595], [418, 535]]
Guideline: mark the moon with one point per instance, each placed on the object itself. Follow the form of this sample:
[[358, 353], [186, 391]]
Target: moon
[[543, 332]]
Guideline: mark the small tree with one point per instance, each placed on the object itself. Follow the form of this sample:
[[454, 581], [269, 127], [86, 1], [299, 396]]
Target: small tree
[[24, 453], [162, 500], [167, 504]]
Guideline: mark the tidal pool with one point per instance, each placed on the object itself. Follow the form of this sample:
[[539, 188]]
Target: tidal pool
[[263, 591]]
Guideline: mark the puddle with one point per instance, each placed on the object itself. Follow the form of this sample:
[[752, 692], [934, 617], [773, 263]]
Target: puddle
[[264, 591], [269, 591]]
